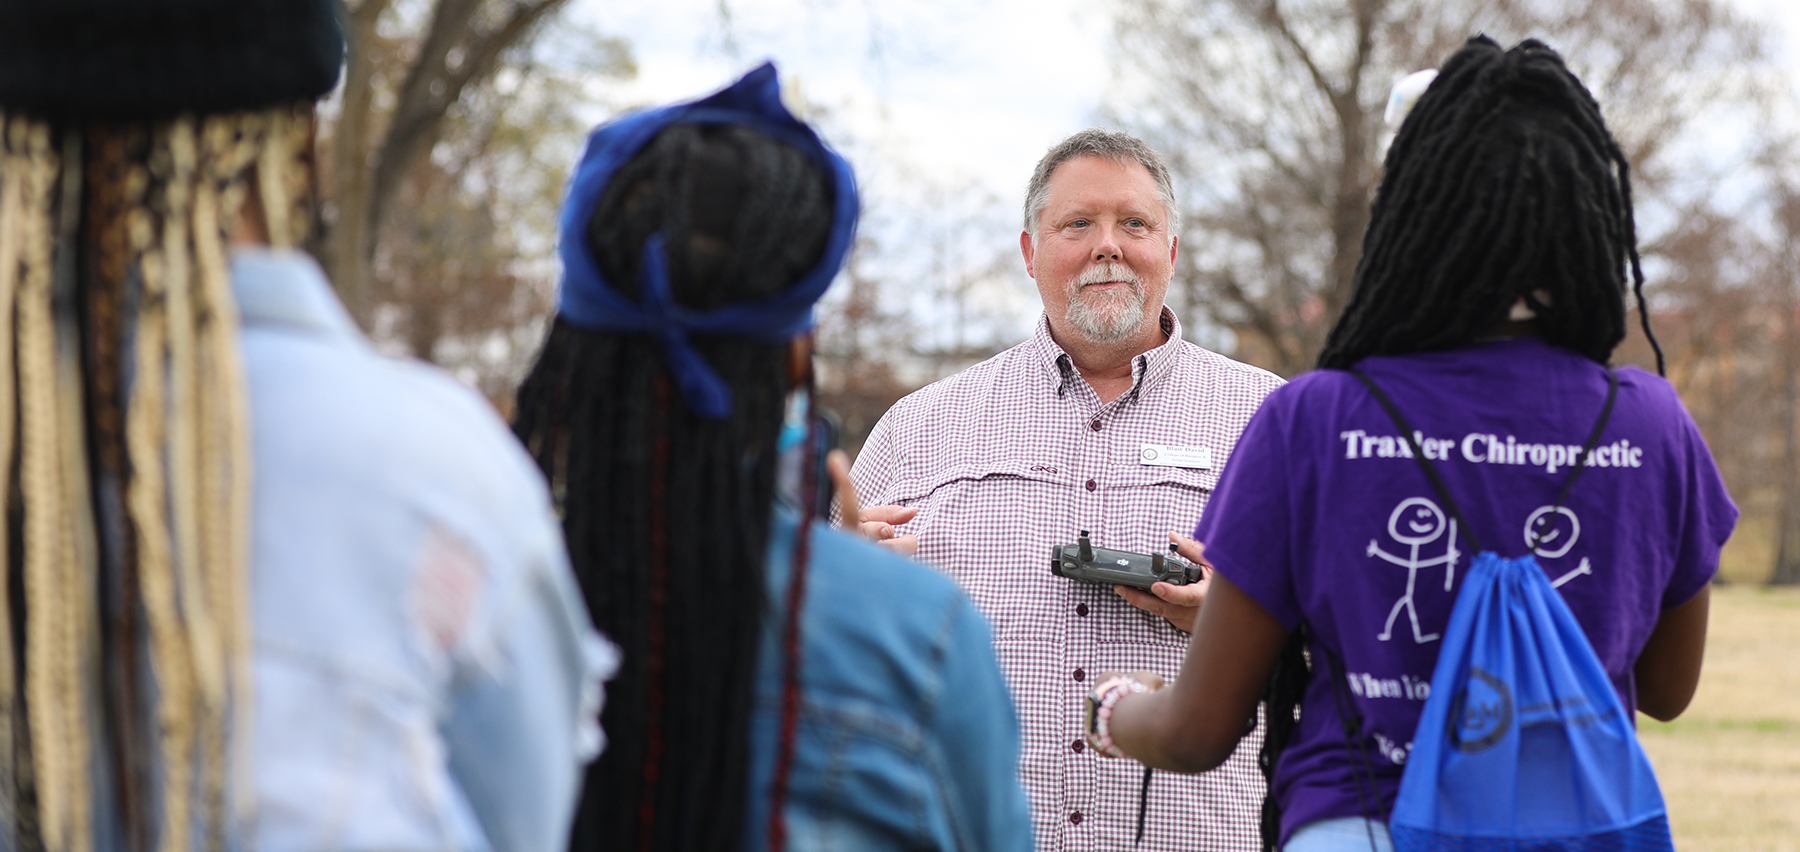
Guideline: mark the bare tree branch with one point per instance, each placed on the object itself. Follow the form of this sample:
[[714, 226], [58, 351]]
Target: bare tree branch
[[376, 148], [433, 86], [1289, 92]]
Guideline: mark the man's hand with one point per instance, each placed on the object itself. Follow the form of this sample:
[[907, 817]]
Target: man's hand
[[876, 523], [1178, 605]]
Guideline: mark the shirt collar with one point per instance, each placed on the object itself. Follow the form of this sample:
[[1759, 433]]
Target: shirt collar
[[1146, 368], [276, 287]]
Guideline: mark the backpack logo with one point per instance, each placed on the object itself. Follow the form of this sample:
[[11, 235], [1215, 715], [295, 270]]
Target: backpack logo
[[1481, 714]]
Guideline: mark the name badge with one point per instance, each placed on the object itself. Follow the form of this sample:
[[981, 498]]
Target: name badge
[[1162, 455]]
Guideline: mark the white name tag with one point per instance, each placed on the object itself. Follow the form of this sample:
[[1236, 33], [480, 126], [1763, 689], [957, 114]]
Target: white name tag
[[1160, 455]]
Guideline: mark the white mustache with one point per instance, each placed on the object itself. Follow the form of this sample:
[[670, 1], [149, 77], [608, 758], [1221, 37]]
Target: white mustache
[[1106, 272]]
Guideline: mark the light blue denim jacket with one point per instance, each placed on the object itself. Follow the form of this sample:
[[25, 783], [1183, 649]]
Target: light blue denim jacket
[[907, 738], [426, 676]]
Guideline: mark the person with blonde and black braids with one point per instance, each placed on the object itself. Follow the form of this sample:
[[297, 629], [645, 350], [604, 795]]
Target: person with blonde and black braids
[[262, 587]]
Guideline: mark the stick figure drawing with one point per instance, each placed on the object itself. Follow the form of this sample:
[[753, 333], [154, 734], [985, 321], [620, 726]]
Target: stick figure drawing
[[1552, 530], [1417, 522]]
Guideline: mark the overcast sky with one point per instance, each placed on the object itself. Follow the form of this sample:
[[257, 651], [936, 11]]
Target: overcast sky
[[943, 107], [979, 87], [973, 90]]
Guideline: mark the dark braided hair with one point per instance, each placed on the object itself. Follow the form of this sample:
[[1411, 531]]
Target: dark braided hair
[[1503, 181], [667, 513]]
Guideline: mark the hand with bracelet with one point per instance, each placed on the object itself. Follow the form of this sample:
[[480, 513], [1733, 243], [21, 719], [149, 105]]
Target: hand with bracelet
[[1109, 690], [1192, 723]]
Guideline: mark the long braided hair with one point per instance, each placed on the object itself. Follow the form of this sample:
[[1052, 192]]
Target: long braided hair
[[666, 512], [1502, 184], [124, 621]]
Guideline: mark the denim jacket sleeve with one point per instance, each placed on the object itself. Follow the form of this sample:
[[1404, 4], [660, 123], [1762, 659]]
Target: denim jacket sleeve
[[977, 732], [907, 737]]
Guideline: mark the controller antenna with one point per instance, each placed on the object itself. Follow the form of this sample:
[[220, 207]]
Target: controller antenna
[[1087, 550]]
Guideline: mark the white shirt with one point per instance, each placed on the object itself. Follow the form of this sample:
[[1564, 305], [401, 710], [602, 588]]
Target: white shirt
[[1017, 455]]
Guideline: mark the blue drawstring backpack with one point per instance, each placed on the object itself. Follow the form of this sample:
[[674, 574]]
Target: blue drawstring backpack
[[1522, 744]]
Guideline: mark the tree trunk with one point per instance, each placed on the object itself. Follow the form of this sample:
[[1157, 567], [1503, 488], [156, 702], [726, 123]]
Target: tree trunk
[[452, 56], [346, 247]]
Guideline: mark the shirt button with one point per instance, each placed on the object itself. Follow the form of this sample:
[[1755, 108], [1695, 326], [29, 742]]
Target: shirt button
[[1080, 675], [1075, 817], [1095, 425], [1077, 746], [1081, 610], [1091, 485]]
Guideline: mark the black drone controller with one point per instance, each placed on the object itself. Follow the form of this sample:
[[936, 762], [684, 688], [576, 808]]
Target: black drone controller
[[1083, 561]]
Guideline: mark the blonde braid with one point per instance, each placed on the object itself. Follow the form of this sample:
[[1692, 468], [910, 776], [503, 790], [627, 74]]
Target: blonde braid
[[35, 165], [49, 572], [188, 482], [162, 584], [195, 579], [145, 438], [80, 690], [15, 194], [232, 145]]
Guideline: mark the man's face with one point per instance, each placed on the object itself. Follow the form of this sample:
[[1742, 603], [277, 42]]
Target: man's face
[[1103, 254]]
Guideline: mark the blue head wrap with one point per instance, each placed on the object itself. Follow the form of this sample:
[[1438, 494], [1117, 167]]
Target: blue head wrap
[[588, 302]]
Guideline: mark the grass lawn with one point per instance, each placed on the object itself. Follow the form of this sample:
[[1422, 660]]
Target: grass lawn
[[1730, 766]]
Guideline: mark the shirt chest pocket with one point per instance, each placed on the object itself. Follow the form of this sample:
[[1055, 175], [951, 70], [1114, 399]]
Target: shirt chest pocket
[[973, 519], [1023, 496], [1142, 505], [927, 485]]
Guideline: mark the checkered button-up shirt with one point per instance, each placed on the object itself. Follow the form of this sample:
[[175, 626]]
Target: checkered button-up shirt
[[1016, 455]]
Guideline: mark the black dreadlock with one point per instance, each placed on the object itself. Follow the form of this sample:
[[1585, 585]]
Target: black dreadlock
[[667, 513], [1286, 689], [1503, 182]]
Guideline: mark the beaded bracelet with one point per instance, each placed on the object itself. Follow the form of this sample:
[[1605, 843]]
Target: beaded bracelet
[[1100, 707]]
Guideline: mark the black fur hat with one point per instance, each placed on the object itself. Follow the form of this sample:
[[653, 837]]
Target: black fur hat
[[147, 59]]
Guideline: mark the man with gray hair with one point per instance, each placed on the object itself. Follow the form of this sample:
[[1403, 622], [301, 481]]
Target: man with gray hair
[[1105, 421]]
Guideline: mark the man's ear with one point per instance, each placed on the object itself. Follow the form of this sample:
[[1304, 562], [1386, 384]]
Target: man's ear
[[1027, 249], [1174, 243]]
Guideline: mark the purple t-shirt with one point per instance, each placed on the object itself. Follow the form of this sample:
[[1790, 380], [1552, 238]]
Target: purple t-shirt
[[1323, 517]]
